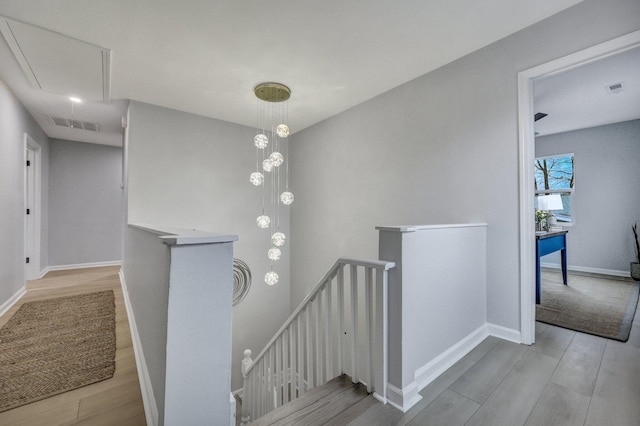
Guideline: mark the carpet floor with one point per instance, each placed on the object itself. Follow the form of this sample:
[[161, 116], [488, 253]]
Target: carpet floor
[[590, 304], [56, 345]]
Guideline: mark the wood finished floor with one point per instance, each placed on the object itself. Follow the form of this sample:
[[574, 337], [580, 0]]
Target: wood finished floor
[[116, 401], [566, 378]]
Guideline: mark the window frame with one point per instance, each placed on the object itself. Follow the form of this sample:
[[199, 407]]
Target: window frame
[[561, 191]]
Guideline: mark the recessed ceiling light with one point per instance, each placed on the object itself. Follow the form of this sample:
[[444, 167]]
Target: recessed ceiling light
[[74, 99]]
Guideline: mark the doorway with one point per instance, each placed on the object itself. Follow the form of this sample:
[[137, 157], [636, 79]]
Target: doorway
[[526, 164], [32, 205]]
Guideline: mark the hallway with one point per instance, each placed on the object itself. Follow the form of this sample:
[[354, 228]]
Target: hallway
[[116, 401]]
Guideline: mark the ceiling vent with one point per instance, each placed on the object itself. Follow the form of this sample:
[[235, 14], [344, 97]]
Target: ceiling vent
[[74, 124], [613, 88]]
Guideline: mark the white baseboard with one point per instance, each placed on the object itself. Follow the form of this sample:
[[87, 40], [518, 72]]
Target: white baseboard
[[380, 398], [601, 271], [434, 368], [504, 333], [12, 300], [405, 398], [148, 399], [79, 266]]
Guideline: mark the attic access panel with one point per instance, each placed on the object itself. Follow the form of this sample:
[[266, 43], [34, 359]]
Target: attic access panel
[[59, 64]]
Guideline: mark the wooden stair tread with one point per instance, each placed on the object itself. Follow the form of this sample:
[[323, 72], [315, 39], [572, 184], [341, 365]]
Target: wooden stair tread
[[339, 399]]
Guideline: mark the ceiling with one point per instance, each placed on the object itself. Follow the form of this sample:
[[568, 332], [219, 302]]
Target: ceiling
[[602, 92], [204, 56]]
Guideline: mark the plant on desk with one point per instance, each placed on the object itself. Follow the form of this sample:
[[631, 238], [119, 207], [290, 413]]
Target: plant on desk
[[542, 223], [635, 266]]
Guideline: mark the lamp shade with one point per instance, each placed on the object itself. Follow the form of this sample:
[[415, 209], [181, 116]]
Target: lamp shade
[[550, 202]]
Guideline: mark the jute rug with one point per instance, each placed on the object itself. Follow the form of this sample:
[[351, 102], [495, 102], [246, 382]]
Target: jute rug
[[53, 346], [593, 305]]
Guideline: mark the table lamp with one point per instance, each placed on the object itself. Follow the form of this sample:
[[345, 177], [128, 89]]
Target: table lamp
[[549, 203]]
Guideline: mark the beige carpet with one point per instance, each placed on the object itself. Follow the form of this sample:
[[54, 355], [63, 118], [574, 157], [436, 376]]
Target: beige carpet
[[590, 304], [56, 345]]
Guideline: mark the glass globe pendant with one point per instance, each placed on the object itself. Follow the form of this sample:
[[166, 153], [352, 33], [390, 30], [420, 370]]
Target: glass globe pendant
[[286, 198], [278, 238], [256, 178], [271, 278], [267, 165], [263, 221], [261, 141], [274, 253], [276, 159], [282, 130]]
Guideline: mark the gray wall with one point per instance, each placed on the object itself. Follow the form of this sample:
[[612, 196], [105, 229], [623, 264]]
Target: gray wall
[[85, 203], [192, 172], [146, 268], [606, 201], [14, 122], [442, 148]]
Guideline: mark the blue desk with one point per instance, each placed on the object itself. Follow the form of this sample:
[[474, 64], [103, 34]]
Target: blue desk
[[547, 243]]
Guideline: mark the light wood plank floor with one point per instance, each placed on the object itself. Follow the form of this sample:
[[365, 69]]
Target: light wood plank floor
[[116, 401], [566, 378]]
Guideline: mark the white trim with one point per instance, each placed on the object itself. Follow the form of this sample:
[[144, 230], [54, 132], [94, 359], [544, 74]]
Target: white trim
[[403, 399], [504, 333], [589, 270], [526, 152], [232, 409], [13, 44], [79, 266], [570, 154], [32, 269], [12, 300], [526, 156], [148, 399], [434, 368], [379, 397], [414, 228]]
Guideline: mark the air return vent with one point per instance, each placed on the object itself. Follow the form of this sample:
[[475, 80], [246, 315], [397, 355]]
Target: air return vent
[[74, 124]]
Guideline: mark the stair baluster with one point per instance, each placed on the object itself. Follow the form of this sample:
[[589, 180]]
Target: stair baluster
[[308, 349]]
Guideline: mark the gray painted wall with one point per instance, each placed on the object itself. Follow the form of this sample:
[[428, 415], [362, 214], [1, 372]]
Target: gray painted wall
[[442, 148], [193, 172], [14, 122], [146, 268], [606, 200], [85, 203]]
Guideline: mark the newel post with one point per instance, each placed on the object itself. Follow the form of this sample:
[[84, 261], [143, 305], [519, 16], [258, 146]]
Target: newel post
[[246, 363]]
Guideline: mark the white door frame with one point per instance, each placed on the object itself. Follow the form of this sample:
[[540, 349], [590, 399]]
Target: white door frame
[[527, 156], [32, 201]]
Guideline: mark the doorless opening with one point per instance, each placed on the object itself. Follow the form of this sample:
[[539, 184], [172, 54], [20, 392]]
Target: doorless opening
[[526, 162]]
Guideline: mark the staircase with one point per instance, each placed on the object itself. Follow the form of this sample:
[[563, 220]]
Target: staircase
[[339, 329], [337, 402]]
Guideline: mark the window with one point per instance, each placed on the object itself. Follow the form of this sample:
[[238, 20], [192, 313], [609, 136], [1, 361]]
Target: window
[[554, 175]]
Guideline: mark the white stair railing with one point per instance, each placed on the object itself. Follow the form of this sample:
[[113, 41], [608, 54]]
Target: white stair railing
[[339, 328]]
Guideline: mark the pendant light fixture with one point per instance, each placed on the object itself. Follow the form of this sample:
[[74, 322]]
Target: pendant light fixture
[[272, 166]]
